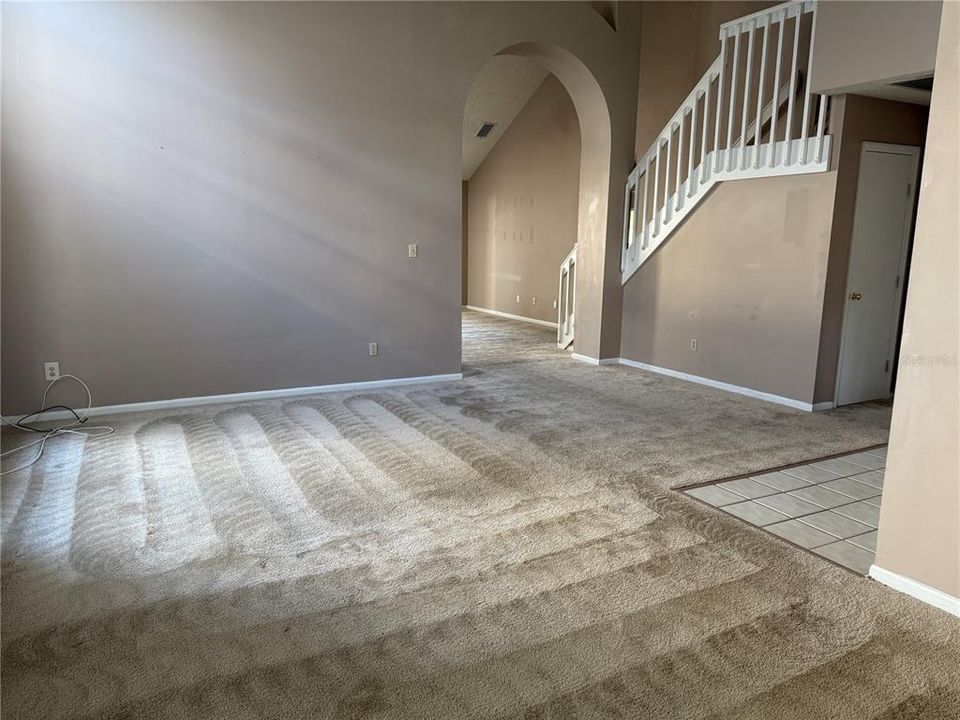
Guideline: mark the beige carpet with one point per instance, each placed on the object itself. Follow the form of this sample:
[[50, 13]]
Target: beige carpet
[[502, 547]]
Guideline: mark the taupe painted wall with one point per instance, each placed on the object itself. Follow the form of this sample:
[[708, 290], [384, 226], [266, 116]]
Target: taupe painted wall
[[920, 512], [523, 201], [745, 273], [662, 309], [678, 42], [855, 120], [744, 276], [204, 198], [860, 43]]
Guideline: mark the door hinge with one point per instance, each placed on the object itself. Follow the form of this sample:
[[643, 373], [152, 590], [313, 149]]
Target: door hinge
[[886, 366], [909, 188], [897, 283]]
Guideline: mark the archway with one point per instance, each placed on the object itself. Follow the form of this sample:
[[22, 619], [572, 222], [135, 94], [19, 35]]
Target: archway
[[597, 279], [521, 173]]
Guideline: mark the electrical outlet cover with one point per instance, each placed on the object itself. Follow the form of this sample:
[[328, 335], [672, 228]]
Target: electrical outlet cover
[[51, 370]]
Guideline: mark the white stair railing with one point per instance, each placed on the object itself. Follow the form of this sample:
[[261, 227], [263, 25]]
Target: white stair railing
[[750, 115], [565, 299]]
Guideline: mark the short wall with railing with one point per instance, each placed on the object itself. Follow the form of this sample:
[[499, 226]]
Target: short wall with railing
[[751, 115], [565, 299]]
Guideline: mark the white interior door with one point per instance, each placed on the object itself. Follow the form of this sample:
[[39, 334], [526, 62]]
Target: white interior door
[[882, 223]]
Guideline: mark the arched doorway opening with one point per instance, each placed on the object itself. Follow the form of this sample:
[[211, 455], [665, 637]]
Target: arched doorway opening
[[521, 173], [596, 283]]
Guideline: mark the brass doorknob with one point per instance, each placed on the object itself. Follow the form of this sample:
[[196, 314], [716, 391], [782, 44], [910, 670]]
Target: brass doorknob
[[855, 295]]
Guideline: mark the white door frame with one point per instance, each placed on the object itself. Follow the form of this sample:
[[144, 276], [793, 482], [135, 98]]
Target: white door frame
[[914, 151]]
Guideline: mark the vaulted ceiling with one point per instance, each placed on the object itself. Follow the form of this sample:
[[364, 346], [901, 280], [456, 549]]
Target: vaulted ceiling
[[500, 90]]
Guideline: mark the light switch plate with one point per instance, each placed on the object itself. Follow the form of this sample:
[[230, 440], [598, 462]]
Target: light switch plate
[[412, 250]]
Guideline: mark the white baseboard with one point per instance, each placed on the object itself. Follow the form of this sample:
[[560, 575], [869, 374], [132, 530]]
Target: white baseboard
[[749, 392], [913, 588], [508, 316], [246, 396], [593, 360], [827, 405]]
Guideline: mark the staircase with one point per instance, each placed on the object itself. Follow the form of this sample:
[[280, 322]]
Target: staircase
[[751, 115]]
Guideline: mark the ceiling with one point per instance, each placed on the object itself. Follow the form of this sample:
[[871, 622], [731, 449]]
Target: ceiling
[[500, 90], [891, 91], [915, 89]]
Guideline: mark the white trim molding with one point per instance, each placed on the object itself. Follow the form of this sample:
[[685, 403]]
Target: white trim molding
[[508, 316], [248, 396], [594, 361], [913, 588], [749, 392]]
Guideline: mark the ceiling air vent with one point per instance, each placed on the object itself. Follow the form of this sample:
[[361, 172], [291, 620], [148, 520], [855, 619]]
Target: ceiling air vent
[[485, 129]]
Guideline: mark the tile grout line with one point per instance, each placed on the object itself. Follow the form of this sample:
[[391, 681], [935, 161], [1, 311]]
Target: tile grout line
[[872, 529]]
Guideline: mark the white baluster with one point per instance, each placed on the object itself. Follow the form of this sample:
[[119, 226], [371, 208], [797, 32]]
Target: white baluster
[[667, 212], [733, 98], [693, 141], [561, 306], [787, 155], [645, 228], [776, 90], [748, 68], [806, 90], [821, 122], [703, 140], [656, 191], [716, 129], [763, 74], [676, 190]]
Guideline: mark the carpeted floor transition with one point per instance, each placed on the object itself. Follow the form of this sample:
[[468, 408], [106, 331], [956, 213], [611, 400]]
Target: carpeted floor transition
[[503, 547]]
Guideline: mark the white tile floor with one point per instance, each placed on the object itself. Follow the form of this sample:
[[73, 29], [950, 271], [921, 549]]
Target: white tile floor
[[830, 507]]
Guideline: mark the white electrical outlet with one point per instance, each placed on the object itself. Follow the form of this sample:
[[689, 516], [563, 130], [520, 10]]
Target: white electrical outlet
[[534, 299], [51, 370], [374, 349], [412, 250], [518, 298], [693, 344]]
